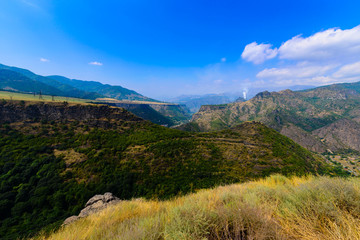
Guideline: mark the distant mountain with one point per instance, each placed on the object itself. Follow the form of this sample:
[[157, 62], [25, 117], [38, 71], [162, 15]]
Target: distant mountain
[[318, 119], [252, 92], [80, 88], [194, 102], [106, 90], [62, 89], [14, 81]]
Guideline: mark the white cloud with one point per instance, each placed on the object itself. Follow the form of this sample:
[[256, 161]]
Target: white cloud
[[300, 74], [96, 63], [218, 81], [349, 70], [258, 53], [326, 57], [44, 60], [295, 72], [223, 59], [331, 44]]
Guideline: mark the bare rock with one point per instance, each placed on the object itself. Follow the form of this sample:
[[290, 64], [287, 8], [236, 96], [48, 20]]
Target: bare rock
[[106, 198], [70, 220], [95, 204]]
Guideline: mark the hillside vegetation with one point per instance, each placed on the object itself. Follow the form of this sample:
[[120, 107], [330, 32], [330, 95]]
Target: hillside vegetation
[[307, 117], [33, 83], [106, 90], [54, 157], [277, 207]]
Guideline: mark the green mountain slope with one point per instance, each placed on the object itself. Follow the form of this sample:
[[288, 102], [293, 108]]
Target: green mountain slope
[[13, 81], [295, 114], [54, 157], [66, 90], [146, 112], [107, 90]]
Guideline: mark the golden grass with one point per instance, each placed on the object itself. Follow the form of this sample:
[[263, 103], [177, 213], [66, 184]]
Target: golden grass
[[48, 98], [273, 208], [70, 156], [45, 98]]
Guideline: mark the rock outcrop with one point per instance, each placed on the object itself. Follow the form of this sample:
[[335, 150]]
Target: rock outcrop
[[96, 115], [95, 204]]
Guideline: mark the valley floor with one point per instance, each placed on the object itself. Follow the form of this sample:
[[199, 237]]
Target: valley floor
[[273, 208]]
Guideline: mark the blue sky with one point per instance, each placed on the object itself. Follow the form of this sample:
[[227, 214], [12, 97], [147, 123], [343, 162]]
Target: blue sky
[[169, 48]]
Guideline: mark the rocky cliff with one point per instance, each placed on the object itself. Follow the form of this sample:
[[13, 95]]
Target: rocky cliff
[[35, 112]]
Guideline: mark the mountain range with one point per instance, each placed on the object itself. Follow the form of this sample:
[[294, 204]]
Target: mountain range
[[62, 86], [194, 102], [321, 119]]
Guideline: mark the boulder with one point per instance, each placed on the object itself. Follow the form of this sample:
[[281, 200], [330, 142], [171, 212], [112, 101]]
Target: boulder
[[98, 202], [95, 204], [70, 220]]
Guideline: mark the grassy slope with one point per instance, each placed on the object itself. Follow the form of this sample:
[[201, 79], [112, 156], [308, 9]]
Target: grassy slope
[[42, 181], [45, 98], [273, 208], [18, 82]]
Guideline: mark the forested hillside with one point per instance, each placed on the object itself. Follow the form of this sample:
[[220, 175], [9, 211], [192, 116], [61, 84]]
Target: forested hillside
[[54, 157]]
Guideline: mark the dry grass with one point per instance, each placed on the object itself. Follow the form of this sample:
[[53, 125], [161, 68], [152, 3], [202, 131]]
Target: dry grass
[[273, 208], [44, 98], [70, 156]]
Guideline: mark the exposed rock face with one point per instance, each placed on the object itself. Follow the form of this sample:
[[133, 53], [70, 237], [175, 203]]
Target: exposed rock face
[[95, 204], [92, 114], [342, 134], [303, 138]]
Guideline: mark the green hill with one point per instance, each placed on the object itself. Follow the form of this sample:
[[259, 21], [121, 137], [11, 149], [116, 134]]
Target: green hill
[[54, 157], [13, 81], [79, 88], [106, 90], [58, 88]]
